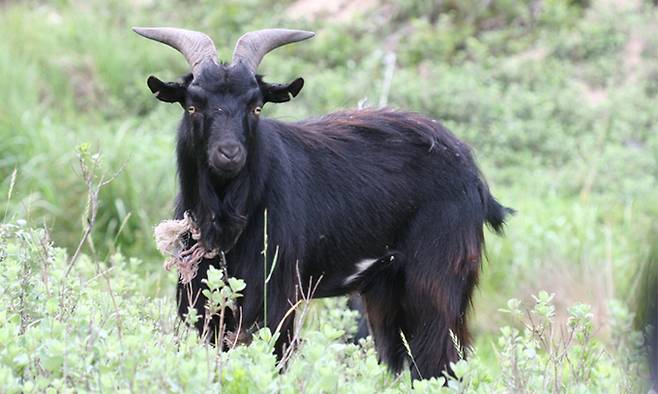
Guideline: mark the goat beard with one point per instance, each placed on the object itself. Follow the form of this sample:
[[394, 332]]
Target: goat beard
[[220, 211]]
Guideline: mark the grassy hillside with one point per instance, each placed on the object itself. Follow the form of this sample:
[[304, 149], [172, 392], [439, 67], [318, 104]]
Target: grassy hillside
[[556, 97]]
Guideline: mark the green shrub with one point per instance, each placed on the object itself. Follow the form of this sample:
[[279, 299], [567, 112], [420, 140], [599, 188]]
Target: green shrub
[[94, 329]]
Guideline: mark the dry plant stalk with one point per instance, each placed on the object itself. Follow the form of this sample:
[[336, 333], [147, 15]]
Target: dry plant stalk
[[93, 190], [300, 316], [89, 165]]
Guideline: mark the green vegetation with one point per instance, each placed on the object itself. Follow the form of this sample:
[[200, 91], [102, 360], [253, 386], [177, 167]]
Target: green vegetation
[[97, 329], [555, 96]]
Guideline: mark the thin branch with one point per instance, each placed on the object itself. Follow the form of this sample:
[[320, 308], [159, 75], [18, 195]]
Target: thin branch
[[93, 192], [12, 183], [389, 63], [237, 334]]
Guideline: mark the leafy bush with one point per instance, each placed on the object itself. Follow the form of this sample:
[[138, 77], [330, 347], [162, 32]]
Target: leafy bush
[[94, 329]]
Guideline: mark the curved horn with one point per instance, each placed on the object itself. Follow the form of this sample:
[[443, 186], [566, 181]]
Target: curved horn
[[253, 46], [195, 46]]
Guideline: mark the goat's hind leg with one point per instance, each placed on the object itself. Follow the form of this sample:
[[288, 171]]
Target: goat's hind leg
[[355, 303], [382, 295], [440, 274]]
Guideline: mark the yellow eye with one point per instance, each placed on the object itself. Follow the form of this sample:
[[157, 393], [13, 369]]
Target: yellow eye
[[257, 110], [191, 109]]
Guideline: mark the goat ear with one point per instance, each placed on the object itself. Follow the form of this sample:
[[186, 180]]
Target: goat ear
[[280, 93], [169, 92]]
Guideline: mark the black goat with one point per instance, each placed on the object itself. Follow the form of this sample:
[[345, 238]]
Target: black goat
[[386, 203]]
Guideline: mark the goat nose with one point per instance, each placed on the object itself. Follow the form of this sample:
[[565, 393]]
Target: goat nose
[[230, 151]]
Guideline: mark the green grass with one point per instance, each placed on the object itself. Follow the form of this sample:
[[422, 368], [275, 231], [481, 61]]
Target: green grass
[[558, 103]]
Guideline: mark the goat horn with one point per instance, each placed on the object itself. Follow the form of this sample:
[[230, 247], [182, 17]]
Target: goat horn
[[195, 46], [253, 46]]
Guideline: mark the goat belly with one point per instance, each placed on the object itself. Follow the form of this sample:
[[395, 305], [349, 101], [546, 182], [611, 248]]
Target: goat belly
[[359, 276], [361, 184]]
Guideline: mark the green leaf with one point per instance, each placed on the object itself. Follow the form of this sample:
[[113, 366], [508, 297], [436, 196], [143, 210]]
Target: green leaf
[[236, 285]]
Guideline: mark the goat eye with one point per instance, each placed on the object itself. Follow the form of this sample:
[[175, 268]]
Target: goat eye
[[191, 109], [257, 110]]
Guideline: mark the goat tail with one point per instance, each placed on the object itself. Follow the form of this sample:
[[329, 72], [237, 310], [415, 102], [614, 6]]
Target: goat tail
[[496, 214]]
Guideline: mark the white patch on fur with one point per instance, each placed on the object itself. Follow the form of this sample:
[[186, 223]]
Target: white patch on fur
[[360, 267]]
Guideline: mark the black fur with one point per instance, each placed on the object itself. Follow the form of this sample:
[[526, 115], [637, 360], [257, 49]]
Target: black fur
[[380, 184]]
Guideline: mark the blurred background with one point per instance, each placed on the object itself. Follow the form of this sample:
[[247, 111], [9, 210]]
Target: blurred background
[[556, 97]]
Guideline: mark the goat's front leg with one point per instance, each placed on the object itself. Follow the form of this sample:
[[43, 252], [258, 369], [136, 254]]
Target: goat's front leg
[[277, 314]]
